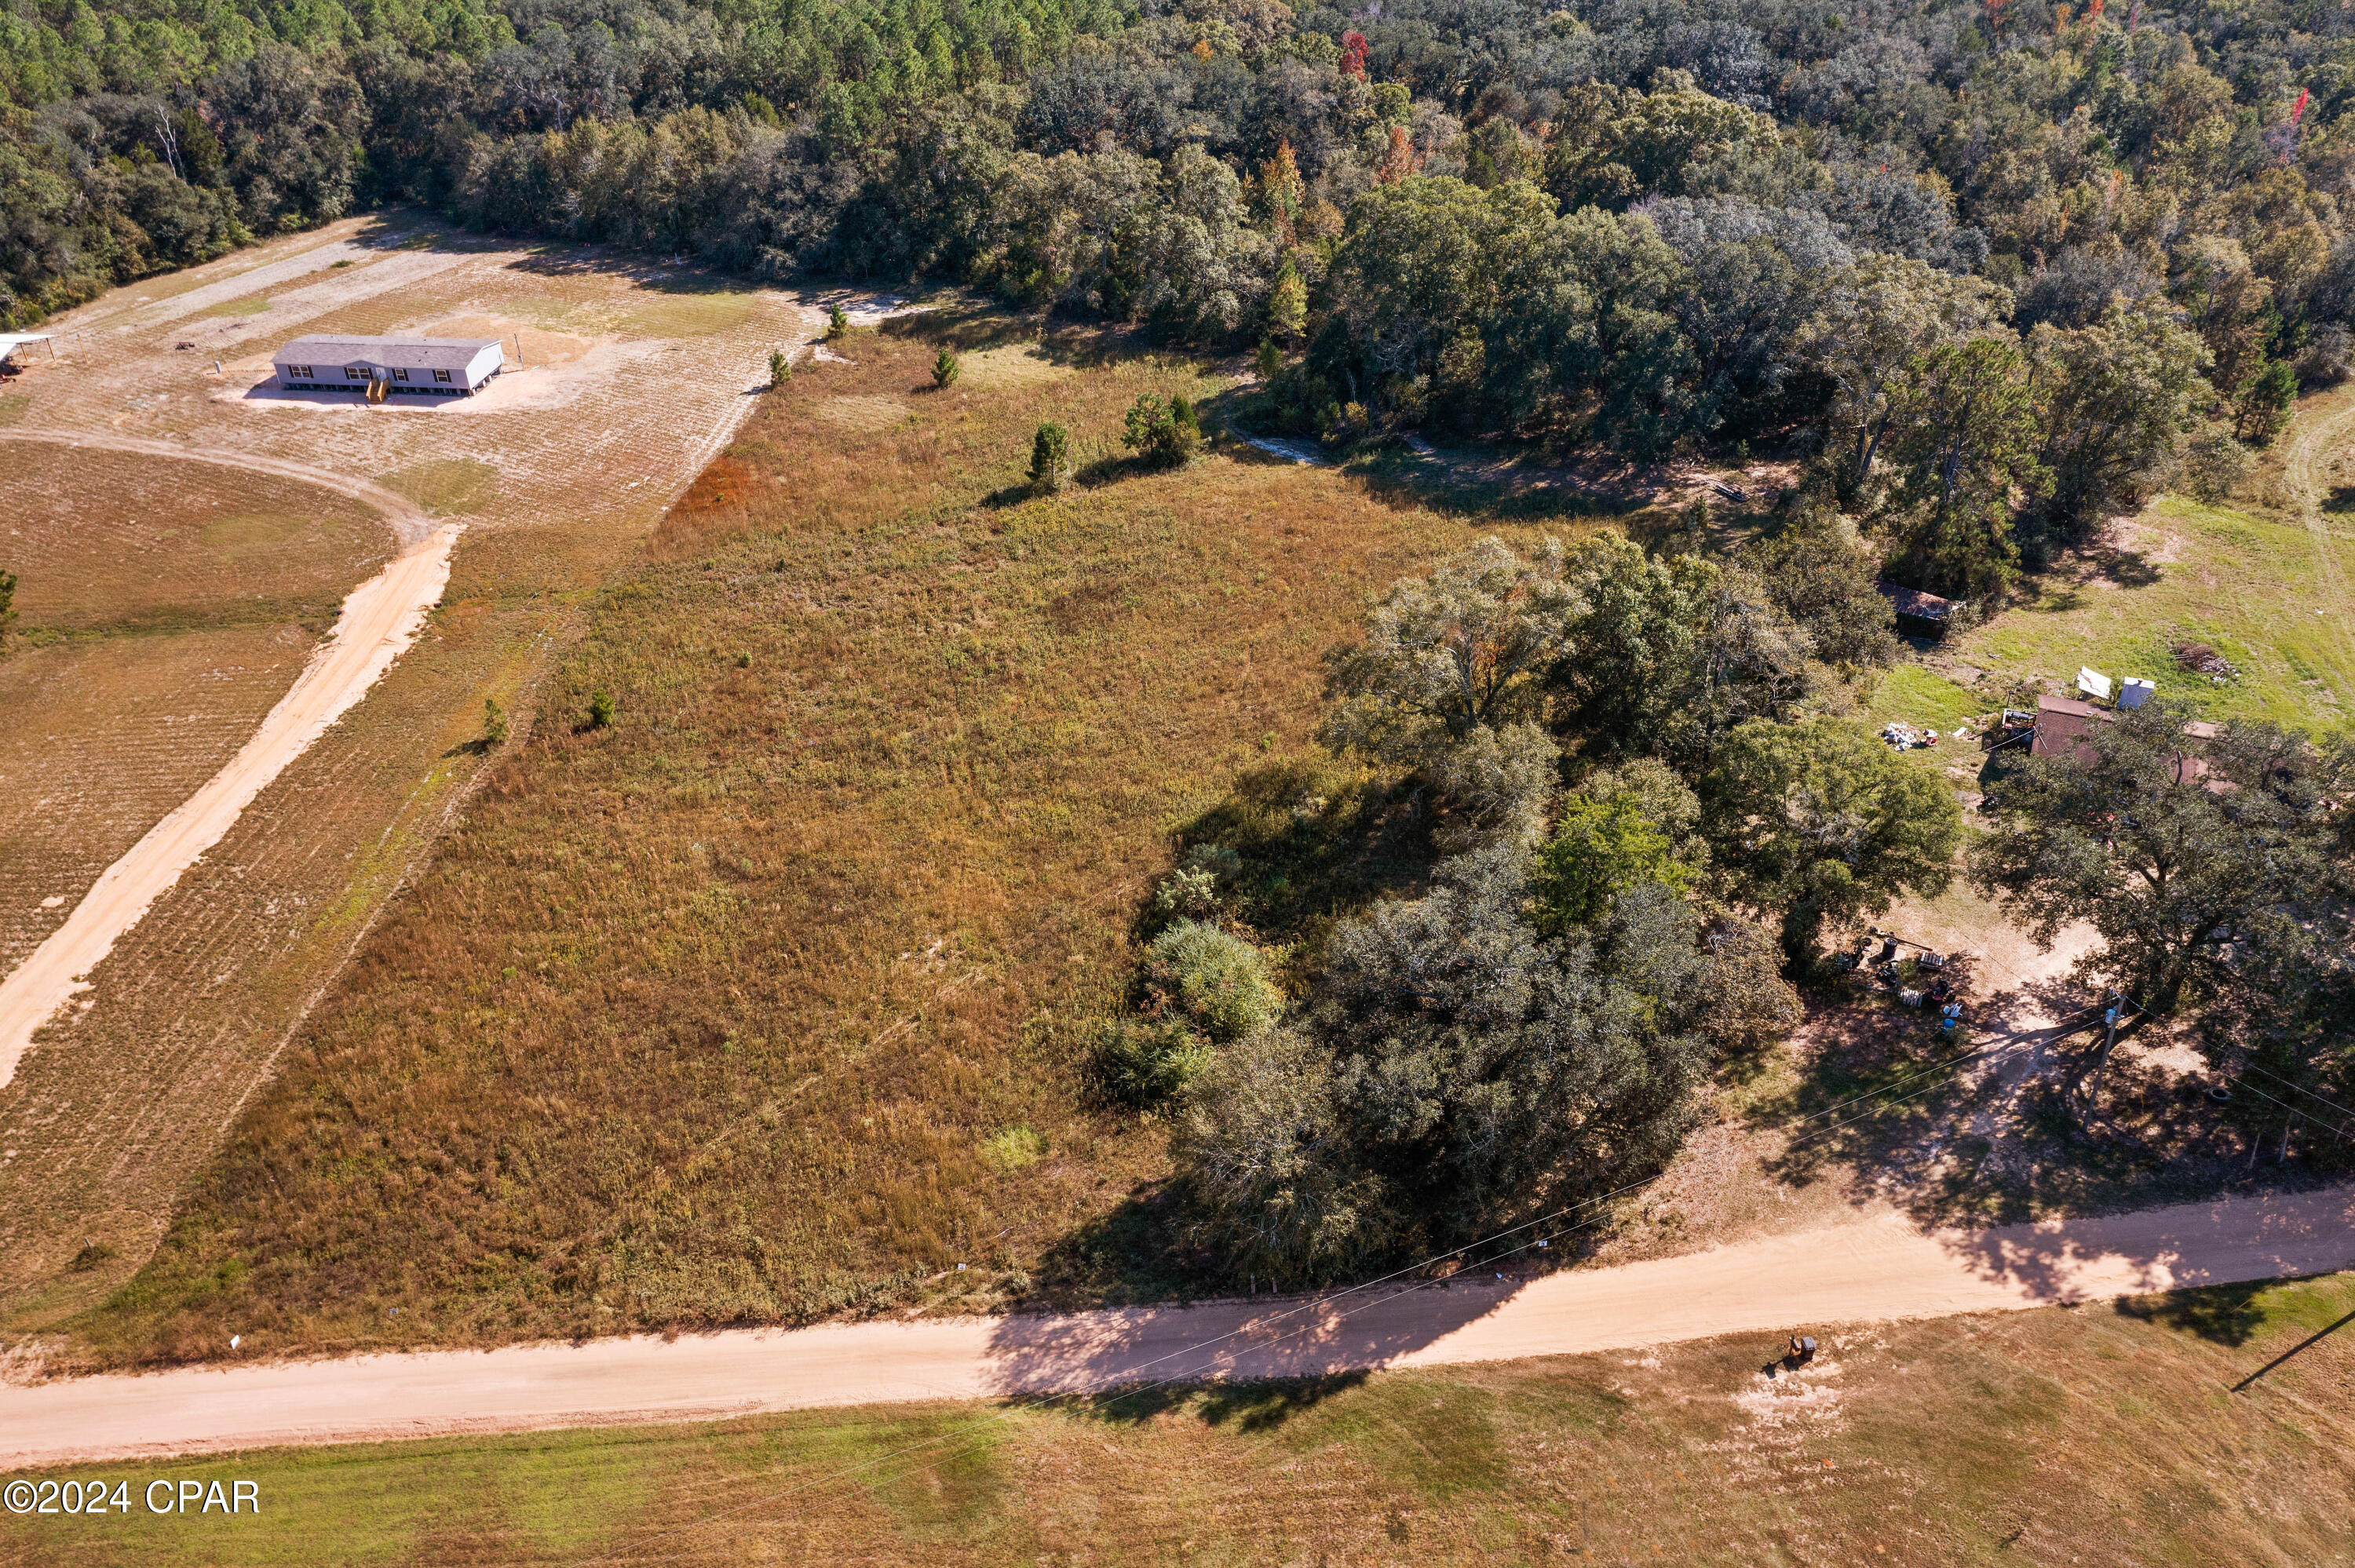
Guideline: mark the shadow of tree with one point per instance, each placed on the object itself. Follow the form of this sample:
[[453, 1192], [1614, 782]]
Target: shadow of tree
[[2127, 568], [1245, 1407], [2222, 1314], [975, 326], [1319, 839], [1275, 1357]]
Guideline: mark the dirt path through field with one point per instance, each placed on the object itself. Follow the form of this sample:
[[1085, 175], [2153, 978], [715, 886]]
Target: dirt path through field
[[2310, 453], [1878, 1269], [379, 620]]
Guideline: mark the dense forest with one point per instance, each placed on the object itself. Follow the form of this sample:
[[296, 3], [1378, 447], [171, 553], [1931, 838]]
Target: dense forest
[[1999, 267]]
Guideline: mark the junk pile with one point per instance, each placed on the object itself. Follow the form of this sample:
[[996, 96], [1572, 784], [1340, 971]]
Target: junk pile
[[2201, 658], [1904, 737]]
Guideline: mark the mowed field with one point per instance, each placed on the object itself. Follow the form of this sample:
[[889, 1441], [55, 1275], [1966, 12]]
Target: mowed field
[[164, 606], [2110, 1433], [2266, 578], [769, 1001], [170, 600]]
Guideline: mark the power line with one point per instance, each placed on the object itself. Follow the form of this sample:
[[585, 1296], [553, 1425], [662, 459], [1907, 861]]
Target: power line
[[1012, 1410], [1113, 1384], [2301, 1088], [1124, 1390], [2336, 1127]]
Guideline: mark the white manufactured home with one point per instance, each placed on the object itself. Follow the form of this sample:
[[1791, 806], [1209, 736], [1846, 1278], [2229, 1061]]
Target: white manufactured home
[[413, 366]]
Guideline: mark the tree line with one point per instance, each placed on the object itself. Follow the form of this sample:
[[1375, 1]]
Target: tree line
[[2001, 271]]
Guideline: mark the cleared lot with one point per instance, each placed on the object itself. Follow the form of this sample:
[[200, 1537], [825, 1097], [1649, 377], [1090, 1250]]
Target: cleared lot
[[555, 483]]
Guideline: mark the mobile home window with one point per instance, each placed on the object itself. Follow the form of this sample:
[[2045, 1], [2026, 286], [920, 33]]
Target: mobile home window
[[441, 375], [354, 373], [299, 371], [400, 375]]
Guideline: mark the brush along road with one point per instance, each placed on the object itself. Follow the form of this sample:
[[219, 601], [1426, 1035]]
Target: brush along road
[[379, 620], [1877, 1269]]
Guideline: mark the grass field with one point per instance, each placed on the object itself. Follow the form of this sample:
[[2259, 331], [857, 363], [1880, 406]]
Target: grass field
[[2261, 580], [732, 1011], [557, 483], [2107, 1433], [163, 606], [121, 543]]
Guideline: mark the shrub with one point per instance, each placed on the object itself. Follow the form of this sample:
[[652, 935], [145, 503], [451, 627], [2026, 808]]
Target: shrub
[[495, 724], [1270, 359], [1012, 1149], [600, 709], [1164, 433], [1188, 893], [837, 321], [2215, 465], [946, 369], [1149, 1061], [781, 369], [1050, 458], [1191, 892], [1217, 982]]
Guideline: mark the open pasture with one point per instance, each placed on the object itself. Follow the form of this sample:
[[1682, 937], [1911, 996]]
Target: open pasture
[[556, 484], [769, 1001]]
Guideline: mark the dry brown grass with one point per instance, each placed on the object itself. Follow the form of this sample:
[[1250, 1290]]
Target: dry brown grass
[[101, 736], [113, 541], [707, 1017], [2103, 1435], [123, 1102]]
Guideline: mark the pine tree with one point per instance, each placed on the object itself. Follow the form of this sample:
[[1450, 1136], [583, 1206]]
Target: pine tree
[[1050, 451]]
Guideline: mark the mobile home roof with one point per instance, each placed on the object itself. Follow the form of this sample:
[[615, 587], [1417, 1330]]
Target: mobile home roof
[[409, 353]]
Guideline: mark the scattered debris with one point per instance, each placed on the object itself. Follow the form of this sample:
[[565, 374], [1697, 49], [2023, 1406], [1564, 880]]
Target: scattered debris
[[2203, 660], [1904, 737]]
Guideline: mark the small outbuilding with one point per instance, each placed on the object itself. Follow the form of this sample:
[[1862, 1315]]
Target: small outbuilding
[[1918, 614], [2062, 724], [13, 343], [389, 367]]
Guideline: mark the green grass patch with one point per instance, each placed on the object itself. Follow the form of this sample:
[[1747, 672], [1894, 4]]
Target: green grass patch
[[1922, 698], [2252, 588]]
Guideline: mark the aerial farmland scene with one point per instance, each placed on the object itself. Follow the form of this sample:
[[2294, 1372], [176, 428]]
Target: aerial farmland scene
[[1177, 782]]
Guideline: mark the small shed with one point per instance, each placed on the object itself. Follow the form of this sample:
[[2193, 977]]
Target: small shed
[[1918, 614], [12, 344], [2062, 725]]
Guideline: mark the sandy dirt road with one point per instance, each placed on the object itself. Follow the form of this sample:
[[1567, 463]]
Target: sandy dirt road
[[1878, 1269], [378, 622]]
